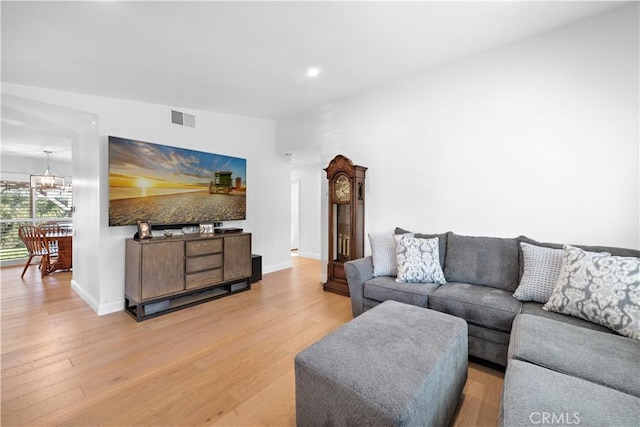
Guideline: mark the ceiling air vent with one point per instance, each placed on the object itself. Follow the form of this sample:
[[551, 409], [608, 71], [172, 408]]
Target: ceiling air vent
[[183, 119]]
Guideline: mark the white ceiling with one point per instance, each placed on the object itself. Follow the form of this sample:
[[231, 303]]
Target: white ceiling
[[250, 58], [29, 128]]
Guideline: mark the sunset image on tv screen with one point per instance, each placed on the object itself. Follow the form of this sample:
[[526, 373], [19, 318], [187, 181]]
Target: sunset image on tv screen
[[169, 185]]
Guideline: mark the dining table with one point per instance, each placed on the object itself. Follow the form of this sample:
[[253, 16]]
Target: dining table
[[63, 241]]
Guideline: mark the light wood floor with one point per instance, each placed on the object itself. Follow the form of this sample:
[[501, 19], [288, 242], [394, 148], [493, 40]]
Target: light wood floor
[[225, 362]]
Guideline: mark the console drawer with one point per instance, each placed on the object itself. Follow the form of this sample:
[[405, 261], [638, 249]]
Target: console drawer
[[204, 278], [203, 262], [203, 247]]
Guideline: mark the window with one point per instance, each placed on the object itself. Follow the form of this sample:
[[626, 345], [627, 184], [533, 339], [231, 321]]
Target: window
[[20, 204]]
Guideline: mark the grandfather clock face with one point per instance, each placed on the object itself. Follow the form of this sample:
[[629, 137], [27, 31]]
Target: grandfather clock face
[[342, 189]]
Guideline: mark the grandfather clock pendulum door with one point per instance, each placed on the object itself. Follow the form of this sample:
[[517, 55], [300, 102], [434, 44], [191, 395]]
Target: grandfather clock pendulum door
[[346, 220]]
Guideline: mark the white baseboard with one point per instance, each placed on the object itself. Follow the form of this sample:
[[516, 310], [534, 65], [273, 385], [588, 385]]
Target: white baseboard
[[100, 309], [111, 307], [276, 267], [309, 255], [86, 297]]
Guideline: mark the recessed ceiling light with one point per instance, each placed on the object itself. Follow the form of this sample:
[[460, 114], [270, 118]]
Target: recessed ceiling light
[[313, 72]]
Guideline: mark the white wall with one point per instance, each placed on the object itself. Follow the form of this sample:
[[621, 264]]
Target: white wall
[[14, 167], [540, 138], [310, 178], [268, 179]]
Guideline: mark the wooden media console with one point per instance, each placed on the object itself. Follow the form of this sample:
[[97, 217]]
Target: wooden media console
[[165, 274]]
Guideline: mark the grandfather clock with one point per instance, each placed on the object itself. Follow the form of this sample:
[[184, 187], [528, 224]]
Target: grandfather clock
[[346, 220]]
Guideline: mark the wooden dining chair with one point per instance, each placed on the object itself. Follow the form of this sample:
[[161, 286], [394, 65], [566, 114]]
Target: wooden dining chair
[[37, 245]]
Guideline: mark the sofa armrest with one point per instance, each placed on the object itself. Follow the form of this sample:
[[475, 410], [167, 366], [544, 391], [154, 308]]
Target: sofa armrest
[[358, 271]]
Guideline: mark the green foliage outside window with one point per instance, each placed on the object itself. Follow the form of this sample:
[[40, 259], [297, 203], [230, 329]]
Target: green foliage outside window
[[17, 208]]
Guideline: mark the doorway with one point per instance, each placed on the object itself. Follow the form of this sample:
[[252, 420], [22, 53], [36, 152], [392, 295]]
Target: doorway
[[295, 216]]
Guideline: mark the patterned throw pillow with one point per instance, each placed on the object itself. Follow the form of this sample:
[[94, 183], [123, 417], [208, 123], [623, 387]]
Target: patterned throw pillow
[[541, 271], [600, 288], [418, 260], [383, 254]]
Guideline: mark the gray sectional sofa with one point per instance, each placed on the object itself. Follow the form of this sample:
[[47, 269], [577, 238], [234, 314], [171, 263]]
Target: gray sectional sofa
[[560, 369]]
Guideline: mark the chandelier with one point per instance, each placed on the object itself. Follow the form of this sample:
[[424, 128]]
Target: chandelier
[[47, 179]]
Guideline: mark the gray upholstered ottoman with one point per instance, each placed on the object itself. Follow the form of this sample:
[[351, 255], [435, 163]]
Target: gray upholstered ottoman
[[395, 364]]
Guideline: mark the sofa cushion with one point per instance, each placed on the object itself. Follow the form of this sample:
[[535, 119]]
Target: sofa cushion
[[488, 261], [442, 241], [531, 392], [536, 309], [600, 288], [479, 305], [607, 359], [610, 249], [418, 260], [541, 271], [385, 288], [383, 254]]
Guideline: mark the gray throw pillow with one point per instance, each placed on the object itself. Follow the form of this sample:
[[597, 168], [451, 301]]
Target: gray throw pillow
[[600, 288], [442, 240], [383, 254], [541, 271], [418, 260], [610, 249]]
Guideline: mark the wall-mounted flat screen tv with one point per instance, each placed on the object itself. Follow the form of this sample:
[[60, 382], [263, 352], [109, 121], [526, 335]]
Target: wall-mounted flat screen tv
[[169, 185]]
